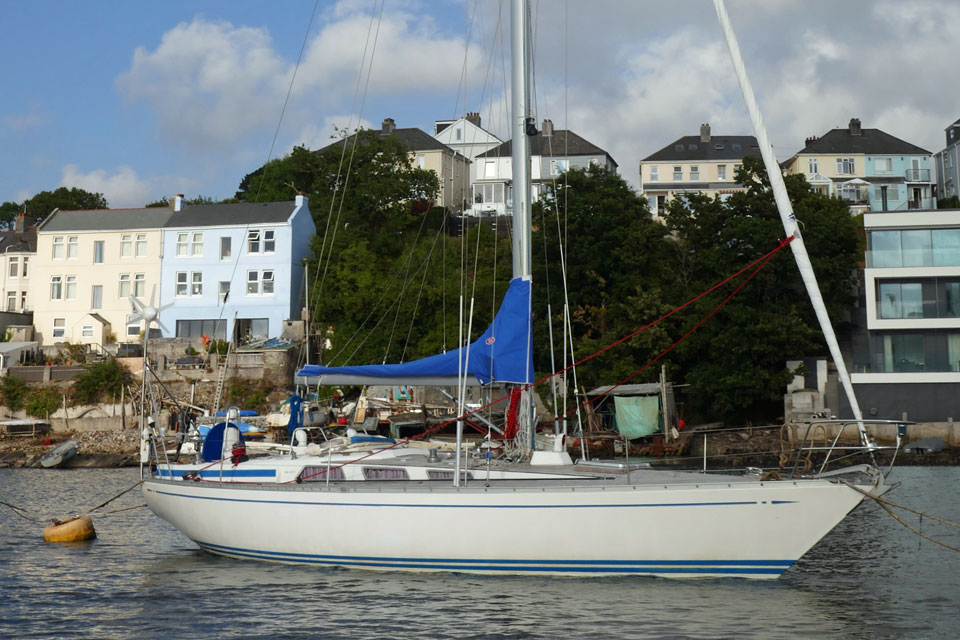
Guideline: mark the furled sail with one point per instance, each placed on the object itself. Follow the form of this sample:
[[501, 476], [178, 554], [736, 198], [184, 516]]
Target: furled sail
[[502, 354]]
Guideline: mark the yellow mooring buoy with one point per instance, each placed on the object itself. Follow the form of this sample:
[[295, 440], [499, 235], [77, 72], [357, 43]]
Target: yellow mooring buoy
[[74, 529]]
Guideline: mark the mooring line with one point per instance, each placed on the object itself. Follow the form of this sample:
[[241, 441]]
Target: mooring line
[[883, 502], [100, 506], [20, 511]]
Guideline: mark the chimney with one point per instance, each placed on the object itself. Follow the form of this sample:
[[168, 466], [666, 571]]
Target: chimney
[[855, 127], [547, 129], [705, 132], [807, 142], [474, 117], [301, 199], [176, 202], [388, 127], [21, 222]]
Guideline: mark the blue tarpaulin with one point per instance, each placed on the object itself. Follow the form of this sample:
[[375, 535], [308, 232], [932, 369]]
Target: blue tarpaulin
[[501, 354]]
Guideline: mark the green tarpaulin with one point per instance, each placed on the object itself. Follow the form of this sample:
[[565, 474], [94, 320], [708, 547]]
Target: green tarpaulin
[[637, 415]]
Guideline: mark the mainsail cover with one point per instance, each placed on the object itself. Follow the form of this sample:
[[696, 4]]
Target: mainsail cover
[[502, 354]]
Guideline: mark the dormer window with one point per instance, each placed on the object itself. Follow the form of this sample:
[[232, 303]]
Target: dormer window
[[691, 147], [735, 146], [679, 147], [718, 146]]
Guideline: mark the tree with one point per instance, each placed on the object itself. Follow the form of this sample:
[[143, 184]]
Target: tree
[[735, 364], [99, 381], [43, 204]]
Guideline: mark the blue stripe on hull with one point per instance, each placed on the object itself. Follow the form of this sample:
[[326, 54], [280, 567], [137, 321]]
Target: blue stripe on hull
[[674, 567], [227, 473], [466, 506]]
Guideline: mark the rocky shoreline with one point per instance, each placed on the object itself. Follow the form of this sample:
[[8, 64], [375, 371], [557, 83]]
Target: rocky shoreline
[[98, 449]]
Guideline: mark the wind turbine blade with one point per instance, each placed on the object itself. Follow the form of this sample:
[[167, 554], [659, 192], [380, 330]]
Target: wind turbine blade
[[153, 294], [166, 306], [162, 326], [137, 304], [136, 317]]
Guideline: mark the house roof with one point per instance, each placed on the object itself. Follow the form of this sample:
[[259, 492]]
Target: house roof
[[415, 139], [870, 141], [563, 143], [220, 215], [13, 241], [106, 219], [718, 148]]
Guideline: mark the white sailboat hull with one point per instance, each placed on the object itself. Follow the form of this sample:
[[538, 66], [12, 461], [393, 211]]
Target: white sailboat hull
[[749, 529]]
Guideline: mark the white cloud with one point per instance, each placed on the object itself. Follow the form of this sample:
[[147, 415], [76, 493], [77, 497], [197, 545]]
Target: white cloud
[[122, 188], [18, 123]]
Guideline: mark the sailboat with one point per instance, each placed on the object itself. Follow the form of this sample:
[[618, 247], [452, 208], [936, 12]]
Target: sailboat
[[395, 506]]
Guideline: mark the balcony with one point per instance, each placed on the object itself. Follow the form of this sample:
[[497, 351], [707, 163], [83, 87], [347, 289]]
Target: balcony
[[917, 175]]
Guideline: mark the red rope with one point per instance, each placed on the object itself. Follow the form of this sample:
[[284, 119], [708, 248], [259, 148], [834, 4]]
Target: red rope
[[759, 263]]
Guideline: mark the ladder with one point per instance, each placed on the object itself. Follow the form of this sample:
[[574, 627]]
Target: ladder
[[221, 379]]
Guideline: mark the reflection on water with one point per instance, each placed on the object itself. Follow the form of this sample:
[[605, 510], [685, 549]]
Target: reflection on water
[[870, 578]]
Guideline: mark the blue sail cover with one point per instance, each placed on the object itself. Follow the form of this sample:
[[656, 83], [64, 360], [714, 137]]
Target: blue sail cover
[[502, 354]]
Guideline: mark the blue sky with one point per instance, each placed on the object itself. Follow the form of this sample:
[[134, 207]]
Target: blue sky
[[141, 100]]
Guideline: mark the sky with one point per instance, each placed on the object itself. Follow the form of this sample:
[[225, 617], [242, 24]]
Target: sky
[[143, 100]]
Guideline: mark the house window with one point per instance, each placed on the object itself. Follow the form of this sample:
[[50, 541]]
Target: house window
[[124, 285], [253, 241], [196, 328], [883, 165], [223, 290], [735, 146], [181, 245], [87, 331], [736, 168], [490, 169], [900, 300], [718, 146], [59, 327], [691, 147], [694, 172], [269, 243], [903, 352], [56, 287], [421, 161], [260, 282], [196, 248], [126, 245], [558, 166], [721, 172], [677, 174], [71, 291], [133, 326], [139, 285], [654, 173], [11, 301], [73, 244], [196, 283], [141, 245], [266, 282], [459, 132], [225, 242], [96, 297], [813, 166], [26, 261], [846, 166], [678, 147], [98, 251], [182, 283], [23, 301], [13, 269], [58, 247]]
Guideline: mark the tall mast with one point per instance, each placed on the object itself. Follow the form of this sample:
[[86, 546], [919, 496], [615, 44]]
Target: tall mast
[[787, 217], [519, 113], [521, 122]]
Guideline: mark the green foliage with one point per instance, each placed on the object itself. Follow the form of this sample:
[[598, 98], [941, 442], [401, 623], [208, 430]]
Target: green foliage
[[219, 347], [248, 394], [953, 202], [75, 353], [42, 401], [100, 381], [43, 204], [190, 351], [13, 392]]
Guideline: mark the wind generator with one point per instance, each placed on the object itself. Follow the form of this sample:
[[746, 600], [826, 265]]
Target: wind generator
[[148, 423]]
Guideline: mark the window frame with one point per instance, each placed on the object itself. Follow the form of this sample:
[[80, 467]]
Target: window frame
[[126, 245], [58, 248], [56, 284], [62, 328]]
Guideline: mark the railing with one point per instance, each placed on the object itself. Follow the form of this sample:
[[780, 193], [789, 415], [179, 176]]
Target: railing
[[864, 447], [917, 175]]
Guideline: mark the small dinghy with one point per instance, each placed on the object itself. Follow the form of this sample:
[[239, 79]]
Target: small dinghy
[[75, 529], [59, 454]]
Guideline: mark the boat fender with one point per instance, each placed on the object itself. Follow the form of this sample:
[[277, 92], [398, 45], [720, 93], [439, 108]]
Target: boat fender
[[191, 475]]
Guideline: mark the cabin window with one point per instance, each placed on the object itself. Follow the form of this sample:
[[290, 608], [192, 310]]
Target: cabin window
[[320, 474], [439, 474], [381, 473]]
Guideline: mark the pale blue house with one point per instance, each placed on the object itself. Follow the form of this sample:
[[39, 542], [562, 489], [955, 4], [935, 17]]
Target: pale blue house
[[234, 271]]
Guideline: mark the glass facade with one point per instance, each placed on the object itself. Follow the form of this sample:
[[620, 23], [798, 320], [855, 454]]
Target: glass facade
[[918, 298], [914, 248], [913, 351]]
